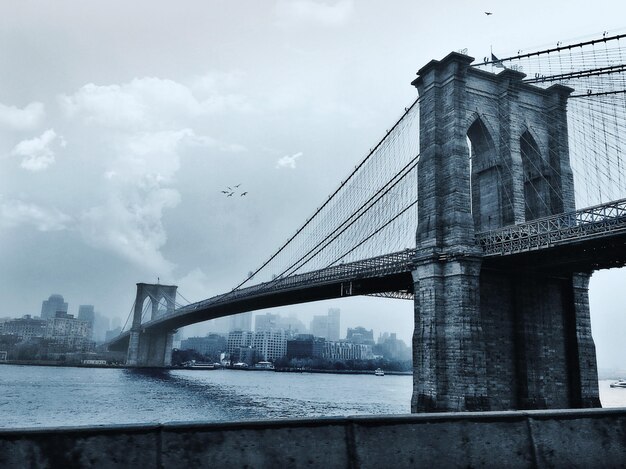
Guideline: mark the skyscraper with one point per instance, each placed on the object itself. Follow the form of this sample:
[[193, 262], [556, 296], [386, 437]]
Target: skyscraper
[[266, 322], [53, 304], [333, 323], [241, 322], [86, 313], [326, 326]]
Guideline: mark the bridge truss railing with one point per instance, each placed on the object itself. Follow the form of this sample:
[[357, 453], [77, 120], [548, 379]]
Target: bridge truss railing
[[548, 231], [388, 264]]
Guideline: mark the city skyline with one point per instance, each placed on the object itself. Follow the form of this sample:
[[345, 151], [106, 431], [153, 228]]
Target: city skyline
[[117, 139]]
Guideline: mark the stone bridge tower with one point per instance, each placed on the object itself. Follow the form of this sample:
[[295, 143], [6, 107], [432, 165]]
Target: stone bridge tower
[[493, 152], [155, 348]]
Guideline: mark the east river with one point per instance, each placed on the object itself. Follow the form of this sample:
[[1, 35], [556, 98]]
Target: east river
[[38, 396]]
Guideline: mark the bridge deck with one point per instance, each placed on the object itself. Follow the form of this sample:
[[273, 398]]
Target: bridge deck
[[596, 233]]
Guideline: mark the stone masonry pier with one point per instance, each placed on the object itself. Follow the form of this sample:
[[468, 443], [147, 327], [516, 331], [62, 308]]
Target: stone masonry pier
[[557, 438]]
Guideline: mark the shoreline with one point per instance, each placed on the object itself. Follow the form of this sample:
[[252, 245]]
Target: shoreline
[[283, 370]]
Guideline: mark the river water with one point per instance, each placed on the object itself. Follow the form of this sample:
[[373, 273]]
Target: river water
[[37, 396]]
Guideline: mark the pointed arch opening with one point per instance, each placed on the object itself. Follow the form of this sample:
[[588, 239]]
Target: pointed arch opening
[[537, 192], [146, 308], [485, 180]]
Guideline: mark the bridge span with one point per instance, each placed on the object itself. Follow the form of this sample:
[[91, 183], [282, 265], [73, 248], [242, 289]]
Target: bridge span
[[544, 245], [479, 179]]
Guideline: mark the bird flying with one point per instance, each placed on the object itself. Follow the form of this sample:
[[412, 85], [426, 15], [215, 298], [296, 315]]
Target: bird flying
[[488, 13], [230, 191]]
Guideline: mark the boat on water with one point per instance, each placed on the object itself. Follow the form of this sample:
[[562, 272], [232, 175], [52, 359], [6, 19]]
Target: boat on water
[[621, 383], [379, 372], [194, 365], [264, 365]]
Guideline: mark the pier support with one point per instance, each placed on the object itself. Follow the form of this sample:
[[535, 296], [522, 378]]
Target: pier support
[[493, 152], [154, 348]]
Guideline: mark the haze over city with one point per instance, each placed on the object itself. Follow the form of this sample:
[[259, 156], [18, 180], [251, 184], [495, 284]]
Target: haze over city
[[122, 124]]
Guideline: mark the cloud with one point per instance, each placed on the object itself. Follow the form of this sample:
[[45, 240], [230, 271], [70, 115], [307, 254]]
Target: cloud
[[21, 119], [288, 161], [314, 11], [195, 286], [147, 103], [131, 226], [138, 183], [14, 213], [147, 124], [37, 152]]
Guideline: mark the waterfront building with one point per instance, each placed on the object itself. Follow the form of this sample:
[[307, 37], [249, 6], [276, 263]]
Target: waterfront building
[[343, 350], [25, 328], [2, 321], [392, 348], [238, 339], [327, 326], [271, 344], [305, 346], [68, 333], [53, 304], [247, 355], [211, 345]]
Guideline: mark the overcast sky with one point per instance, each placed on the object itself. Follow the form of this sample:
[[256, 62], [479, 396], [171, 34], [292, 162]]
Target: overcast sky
[[121, 122]]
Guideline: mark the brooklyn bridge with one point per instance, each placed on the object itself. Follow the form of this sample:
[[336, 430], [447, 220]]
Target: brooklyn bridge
[[488, 203]]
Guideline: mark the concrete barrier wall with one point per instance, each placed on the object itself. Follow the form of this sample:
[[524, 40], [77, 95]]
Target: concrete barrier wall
[[568, 438]]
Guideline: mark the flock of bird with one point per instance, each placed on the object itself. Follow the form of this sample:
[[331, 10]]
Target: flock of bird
[[230, 191]]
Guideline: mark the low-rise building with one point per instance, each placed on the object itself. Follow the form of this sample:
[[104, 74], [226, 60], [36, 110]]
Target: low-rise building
[[237, 340], [343, 350], [68, 333], [26, 327], [271, 345], [360, 335], [305, 346], [211, 345]]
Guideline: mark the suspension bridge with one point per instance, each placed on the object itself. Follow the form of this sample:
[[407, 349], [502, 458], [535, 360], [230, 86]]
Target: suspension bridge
[[467, 206]]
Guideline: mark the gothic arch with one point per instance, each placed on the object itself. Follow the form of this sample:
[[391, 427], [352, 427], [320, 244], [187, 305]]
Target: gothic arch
[[537, 193], [485, 178]]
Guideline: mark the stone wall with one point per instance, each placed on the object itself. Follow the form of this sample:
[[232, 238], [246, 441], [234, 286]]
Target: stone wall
[[566, 438], [510, 339]]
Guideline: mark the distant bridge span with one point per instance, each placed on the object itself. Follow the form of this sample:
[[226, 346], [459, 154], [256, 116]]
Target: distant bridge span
[[545, 244], [391, 272]]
